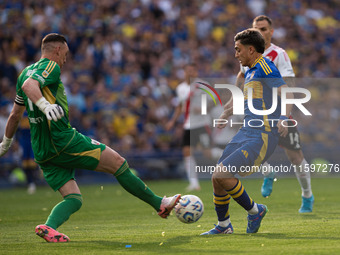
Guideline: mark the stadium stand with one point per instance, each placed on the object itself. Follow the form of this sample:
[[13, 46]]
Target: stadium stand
[[126, 58]]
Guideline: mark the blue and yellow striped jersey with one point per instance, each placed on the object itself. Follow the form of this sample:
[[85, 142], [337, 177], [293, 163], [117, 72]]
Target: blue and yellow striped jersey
[[262, 77]]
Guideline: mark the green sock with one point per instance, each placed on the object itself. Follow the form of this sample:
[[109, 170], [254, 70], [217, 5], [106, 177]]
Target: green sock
[[62, 211], [134, 185]]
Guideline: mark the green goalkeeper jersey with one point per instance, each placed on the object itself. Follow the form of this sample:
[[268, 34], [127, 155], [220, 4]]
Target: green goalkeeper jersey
[[48, 138]]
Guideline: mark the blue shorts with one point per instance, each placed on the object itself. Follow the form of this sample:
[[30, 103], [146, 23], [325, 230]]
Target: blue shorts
[[248, 150], [25, 142], [27, 149]]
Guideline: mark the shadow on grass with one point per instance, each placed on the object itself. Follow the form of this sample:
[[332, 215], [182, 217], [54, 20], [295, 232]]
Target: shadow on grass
[[310, 216], [273, 236], [279, 236], [191, 244], [176, 245]]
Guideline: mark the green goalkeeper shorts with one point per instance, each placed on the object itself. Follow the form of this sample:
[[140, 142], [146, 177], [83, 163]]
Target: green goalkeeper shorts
[[82, 153]]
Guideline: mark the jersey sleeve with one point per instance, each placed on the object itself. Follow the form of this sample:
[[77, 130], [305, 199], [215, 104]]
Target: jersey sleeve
[[274, 79], [269, 74], [284, 65], [19, 100], [182, 94], [47, 73]]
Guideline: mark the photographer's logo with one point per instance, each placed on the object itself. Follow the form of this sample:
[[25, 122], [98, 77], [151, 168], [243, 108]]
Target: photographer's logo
[[204, 96], [238, 100]]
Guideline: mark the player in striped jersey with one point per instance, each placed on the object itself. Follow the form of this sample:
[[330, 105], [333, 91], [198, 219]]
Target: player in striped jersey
[[251, 146], [290, 143], [58, 148]]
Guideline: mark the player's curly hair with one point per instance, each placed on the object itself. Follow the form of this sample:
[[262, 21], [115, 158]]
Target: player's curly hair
[[251, 37]]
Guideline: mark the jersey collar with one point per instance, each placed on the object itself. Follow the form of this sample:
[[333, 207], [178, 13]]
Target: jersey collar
[[256, 61]]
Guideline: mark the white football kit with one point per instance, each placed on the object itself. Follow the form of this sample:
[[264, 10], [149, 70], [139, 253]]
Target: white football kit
[[190, 98], [280, 59]]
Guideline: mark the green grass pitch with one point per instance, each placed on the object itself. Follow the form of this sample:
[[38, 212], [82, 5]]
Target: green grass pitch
[[113, 222]]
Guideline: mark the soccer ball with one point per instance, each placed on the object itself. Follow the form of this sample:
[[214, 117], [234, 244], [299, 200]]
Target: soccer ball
[[189, 209]]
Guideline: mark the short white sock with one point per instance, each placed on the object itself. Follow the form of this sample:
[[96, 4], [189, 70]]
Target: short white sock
[[190, 166], [303, 175], [254, 209], [266, 170], [224, 223]]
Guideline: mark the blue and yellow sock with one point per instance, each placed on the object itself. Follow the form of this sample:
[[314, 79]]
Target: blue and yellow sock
[[239, 194], [221, 203]]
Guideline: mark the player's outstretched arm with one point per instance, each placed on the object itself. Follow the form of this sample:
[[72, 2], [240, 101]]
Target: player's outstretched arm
[[11, 127], [290, 81], [225, 115], [32, 90]]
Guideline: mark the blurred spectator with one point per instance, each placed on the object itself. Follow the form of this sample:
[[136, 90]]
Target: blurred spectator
[[124, 123], [126, 57], [76, 97]]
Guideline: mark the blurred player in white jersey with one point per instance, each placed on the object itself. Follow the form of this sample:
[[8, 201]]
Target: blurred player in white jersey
[[195, 125], [290, 143]]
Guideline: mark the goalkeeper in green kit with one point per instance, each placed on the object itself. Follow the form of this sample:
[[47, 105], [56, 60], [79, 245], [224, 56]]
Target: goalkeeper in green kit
[[59, 148]]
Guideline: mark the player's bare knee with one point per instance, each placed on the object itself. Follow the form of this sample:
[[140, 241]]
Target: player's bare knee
[[221, 174], [295, 158], [119, 161], [216, 183], [110, 161], [217, 178], [213, 178]]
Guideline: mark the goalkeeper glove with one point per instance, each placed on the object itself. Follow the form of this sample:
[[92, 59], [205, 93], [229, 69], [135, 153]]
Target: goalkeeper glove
[[52, 111], [5, 145]]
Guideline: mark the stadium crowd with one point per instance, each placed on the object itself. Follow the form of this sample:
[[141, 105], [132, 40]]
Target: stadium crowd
[[126, 59]]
